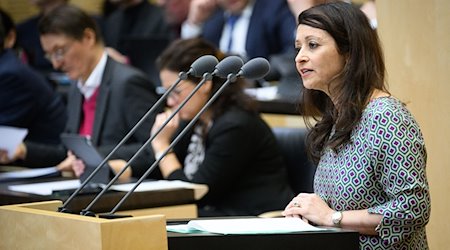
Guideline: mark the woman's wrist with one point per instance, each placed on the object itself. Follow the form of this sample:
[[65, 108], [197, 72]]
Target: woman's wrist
[[159, 154]]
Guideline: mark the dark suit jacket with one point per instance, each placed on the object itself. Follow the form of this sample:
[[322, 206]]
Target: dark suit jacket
[[125, 95], [28, 101], [271, 29], [142, 21], [243, 167]]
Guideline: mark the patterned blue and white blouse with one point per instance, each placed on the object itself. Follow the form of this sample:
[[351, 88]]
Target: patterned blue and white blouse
[[382, 169]]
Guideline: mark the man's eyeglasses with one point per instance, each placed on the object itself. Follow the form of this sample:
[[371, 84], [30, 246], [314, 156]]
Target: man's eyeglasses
[[59, 53]]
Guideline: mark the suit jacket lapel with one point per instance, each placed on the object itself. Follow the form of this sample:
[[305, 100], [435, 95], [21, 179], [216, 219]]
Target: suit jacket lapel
[[102, 101], [74, 108]]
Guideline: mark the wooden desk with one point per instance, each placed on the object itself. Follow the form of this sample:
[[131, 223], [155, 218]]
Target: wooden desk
[[148, 202]]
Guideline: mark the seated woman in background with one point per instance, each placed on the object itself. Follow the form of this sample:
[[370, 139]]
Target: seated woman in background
[[230, 149], [370, 151]]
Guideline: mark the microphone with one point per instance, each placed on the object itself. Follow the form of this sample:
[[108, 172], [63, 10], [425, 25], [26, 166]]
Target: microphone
[[199, 67], [231, 68], [254, 69], [231, 64]]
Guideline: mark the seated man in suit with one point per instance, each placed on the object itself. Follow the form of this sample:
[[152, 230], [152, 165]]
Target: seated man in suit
[[249, 28], [106, 100]]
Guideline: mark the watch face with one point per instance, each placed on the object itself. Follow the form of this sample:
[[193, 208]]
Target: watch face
[[336, 218]]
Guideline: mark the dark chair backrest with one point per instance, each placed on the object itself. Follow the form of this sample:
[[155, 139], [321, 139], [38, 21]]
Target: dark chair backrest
[[300, 169]]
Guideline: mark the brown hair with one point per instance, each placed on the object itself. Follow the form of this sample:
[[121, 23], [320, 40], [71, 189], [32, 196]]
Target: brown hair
[[363, 73], [179, 56], [70, 21]]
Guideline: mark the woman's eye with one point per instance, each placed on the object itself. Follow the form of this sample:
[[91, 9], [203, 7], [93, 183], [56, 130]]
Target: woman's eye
[[313, 45], [297, 49]]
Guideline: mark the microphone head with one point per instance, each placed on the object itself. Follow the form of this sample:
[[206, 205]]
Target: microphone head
[[204, 64], [229, 65], [256, 68]]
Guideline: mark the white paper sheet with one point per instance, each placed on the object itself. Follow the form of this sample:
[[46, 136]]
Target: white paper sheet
[[152, 185], [28, 173], [245, 226], [45, 188], [10, 138]]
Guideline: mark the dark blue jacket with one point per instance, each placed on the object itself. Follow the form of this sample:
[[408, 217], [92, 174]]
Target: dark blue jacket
[[28, 101]]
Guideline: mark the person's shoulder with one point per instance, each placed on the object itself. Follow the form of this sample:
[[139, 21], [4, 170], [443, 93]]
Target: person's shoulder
[[126, 76], [388, 110], [28, 24], [124, 70], [12, 65], [238, 117], [386, 104]]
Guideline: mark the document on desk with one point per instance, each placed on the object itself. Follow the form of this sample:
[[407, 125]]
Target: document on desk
[[29, 173], [45, 188], [11, 137], [244, 226]]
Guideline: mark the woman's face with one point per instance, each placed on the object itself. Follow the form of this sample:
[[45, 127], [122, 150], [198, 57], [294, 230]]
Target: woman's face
[[318, 60], [183, 89]]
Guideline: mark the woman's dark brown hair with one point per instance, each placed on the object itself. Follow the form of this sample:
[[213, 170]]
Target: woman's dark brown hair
[[363, 72], [179, 56]]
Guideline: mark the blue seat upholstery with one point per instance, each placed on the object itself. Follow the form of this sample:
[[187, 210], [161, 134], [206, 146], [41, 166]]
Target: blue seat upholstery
[[299, 168]]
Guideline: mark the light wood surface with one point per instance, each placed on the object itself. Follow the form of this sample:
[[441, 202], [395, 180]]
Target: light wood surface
[[416, 39], [38, 226], [170, 212]]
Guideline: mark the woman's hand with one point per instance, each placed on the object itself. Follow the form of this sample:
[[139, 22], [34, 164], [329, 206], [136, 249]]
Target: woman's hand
[[311, 208], [163, 139], [117, 165]]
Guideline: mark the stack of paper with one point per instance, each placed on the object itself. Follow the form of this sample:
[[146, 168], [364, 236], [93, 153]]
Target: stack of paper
[[244, 226]]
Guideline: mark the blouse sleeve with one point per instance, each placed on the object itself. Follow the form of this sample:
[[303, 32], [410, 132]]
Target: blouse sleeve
[[399, 156]]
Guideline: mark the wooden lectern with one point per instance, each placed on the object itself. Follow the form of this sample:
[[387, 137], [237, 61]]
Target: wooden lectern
[[38, 226]]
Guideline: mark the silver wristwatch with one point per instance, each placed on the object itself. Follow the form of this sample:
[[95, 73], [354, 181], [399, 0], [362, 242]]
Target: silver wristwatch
[[336, 218]]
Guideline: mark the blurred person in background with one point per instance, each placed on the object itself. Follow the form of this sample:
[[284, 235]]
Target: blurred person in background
[[175, 12], [249, 28], [105, 101], [26, 99]]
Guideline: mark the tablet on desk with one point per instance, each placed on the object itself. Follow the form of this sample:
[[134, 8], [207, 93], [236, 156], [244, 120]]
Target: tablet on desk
[[82, 148]]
